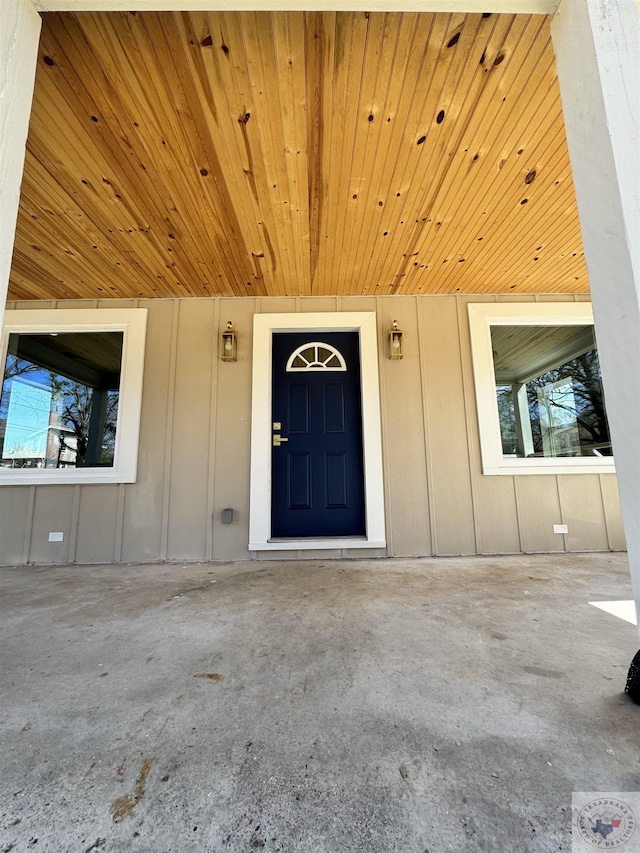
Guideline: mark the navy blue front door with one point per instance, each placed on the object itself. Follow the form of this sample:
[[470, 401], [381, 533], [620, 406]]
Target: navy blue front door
[[317, 472]]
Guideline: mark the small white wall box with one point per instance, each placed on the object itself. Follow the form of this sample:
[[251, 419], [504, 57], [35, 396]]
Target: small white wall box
[[56, 536], [560, 528], [227, 516]]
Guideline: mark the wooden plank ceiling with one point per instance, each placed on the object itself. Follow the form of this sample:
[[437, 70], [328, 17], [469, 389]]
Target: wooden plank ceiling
[[240, 153]]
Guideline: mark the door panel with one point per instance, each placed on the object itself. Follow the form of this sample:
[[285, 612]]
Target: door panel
[[336, 476], [299, 408], [334, 407], [299, 480], [317, 474]]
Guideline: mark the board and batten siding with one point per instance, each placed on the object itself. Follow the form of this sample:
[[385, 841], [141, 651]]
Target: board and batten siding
[[195, 448]]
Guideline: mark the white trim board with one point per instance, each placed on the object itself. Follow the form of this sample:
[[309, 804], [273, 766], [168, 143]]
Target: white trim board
[[264, 325], [524, 7]]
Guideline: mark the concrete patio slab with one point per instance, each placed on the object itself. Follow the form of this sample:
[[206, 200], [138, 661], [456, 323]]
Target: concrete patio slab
[[319, 707]]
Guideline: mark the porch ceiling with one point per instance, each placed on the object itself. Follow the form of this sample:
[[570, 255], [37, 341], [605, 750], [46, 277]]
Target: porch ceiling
[[256, 153]]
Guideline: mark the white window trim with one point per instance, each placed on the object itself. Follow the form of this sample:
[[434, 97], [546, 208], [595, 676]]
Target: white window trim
[[264, 325], [481, 317], [133, 323]]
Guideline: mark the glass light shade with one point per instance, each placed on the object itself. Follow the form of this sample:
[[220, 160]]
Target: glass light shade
[[396, 349], [228, 344]]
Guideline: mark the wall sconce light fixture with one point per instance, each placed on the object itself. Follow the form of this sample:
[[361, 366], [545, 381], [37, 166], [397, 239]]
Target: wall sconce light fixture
[[395, 341], [229, 344]]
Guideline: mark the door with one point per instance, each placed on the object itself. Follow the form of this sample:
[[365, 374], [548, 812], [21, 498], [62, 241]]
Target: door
[[317, 461]]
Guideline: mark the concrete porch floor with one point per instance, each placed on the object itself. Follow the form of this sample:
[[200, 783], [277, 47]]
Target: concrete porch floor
[[315, 707]]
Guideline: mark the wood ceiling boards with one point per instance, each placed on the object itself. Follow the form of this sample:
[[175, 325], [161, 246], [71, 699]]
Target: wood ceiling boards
[[255, 153]]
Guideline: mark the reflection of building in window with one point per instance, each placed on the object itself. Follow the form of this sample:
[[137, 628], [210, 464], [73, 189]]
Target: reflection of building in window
[[507, 414], [549, 391], [59, 402], [558, 417]]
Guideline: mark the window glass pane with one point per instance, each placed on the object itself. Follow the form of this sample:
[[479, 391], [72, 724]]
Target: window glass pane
[[59, 401], [507, 413], [316, 357], [549, 391]]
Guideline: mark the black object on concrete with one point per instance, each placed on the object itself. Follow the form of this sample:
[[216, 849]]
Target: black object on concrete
[[633, 680]]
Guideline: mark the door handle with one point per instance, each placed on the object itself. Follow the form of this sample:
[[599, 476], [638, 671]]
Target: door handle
[[278, 440]]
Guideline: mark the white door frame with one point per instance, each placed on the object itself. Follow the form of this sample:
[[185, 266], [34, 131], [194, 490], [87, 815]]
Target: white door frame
[[264, 325]]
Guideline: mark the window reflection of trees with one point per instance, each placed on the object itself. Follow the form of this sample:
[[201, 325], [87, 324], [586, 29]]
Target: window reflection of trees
[[573, 398], [75, 408], [585, 404]]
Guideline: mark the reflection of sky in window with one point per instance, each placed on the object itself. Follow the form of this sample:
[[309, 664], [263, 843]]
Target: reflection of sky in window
[[28, 398], [28, 416]]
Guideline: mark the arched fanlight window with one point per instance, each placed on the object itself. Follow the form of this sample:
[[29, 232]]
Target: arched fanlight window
[[315, 356]]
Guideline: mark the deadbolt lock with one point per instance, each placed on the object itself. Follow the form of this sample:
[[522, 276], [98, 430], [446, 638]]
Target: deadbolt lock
[[278, 440], [277, 425]]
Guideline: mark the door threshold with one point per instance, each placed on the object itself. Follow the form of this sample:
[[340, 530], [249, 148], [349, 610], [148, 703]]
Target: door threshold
[[308, 543], [317, 538]]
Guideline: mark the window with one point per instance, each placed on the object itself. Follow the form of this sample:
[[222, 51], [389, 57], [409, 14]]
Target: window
[[316, 356], [70, 397], [540, 400]]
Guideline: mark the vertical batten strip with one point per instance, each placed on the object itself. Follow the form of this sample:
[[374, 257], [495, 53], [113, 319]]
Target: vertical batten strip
[[28, 525], [515, 500], [168, 435], [469, 412], [119, 529], [213, 408], [565, 536], [604, 512], [519, 511], [424, 384], [73, 529], [384, 417]]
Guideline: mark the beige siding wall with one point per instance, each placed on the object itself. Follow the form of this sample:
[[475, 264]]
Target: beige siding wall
[[194, 452]]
